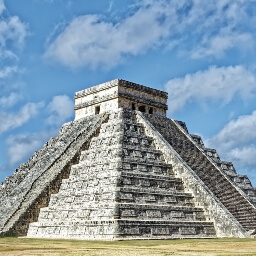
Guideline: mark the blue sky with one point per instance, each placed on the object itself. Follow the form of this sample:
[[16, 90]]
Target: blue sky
[[201, 52]]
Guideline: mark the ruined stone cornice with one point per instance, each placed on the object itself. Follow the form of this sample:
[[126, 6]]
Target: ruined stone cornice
[[141, 99], [96, 88], [125, 95], [143, 88], [95, 101], [123, 83]]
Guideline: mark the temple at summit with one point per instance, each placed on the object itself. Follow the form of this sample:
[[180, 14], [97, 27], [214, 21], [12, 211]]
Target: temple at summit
[[123, 170]]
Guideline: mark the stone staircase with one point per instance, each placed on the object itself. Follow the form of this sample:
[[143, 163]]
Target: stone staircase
[[23, 194], [220, 177], [242, 182], [122, 188]]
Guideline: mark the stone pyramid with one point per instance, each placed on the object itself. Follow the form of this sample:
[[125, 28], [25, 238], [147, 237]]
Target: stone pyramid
[[123, 170]]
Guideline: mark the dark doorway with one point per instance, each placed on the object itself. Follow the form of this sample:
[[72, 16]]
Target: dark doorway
[[97, 110], [142, 109]]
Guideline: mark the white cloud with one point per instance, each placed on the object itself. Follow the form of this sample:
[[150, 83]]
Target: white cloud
[[12, 29], [236, 142], [92, 41], [2, 7], [110, 5], [61, 108], [215, 83], [69, 4], [219, 44], [8, 71], [22, 146], [226, 25], [239, 132], [244, 157], [12, 34], [12, 120], [10, 100]]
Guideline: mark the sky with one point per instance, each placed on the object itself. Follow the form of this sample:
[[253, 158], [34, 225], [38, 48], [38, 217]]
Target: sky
[[203, 53]]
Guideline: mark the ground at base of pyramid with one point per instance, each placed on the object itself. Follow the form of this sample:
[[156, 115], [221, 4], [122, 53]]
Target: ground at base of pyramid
[[122, 170], [13, 246]]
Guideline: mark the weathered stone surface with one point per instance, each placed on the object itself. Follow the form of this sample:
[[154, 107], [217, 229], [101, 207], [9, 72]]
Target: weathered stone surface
[[237, 203], [123, 170], [138, 196], [32, 183], [119, 93], [241, 182]]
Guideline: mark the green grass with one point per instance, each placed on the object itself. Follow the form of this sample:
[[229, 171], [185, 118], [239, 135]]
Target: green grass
[[191, 247]]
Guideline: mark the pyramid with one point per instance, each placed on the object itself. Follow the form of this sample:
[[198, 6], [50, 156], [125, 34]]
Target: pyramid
[[123, 170]]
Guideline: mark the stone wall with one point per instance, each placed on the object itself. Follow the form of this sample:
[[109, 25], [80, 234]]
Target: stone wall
[[102, 105], [119, 94]]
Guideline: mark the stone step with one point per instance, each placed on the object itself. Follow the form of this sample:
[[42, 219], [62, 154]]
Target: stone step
[[163, 212], [111, 152], [94, 206], [127, 151], [125, 194], [148, 161], [141, 149], [127, 229], [85, 194], [230, 174], [144, 211], [171, 229], [129, 122], [68, 194], [76, 214], [198, 140], [133, 128], [112, 126], [139, 180], [142, 156], [212, 153], [85, 176], [160, 197], [150, 175], [212, 177], [152, 181], [155, 166], [108, 140], [157, 191], [114, 161], [139, 142], [142, 136]]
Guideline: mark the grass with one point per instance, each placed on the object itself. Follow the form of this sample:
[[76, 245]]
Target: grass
[[191, 247]]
